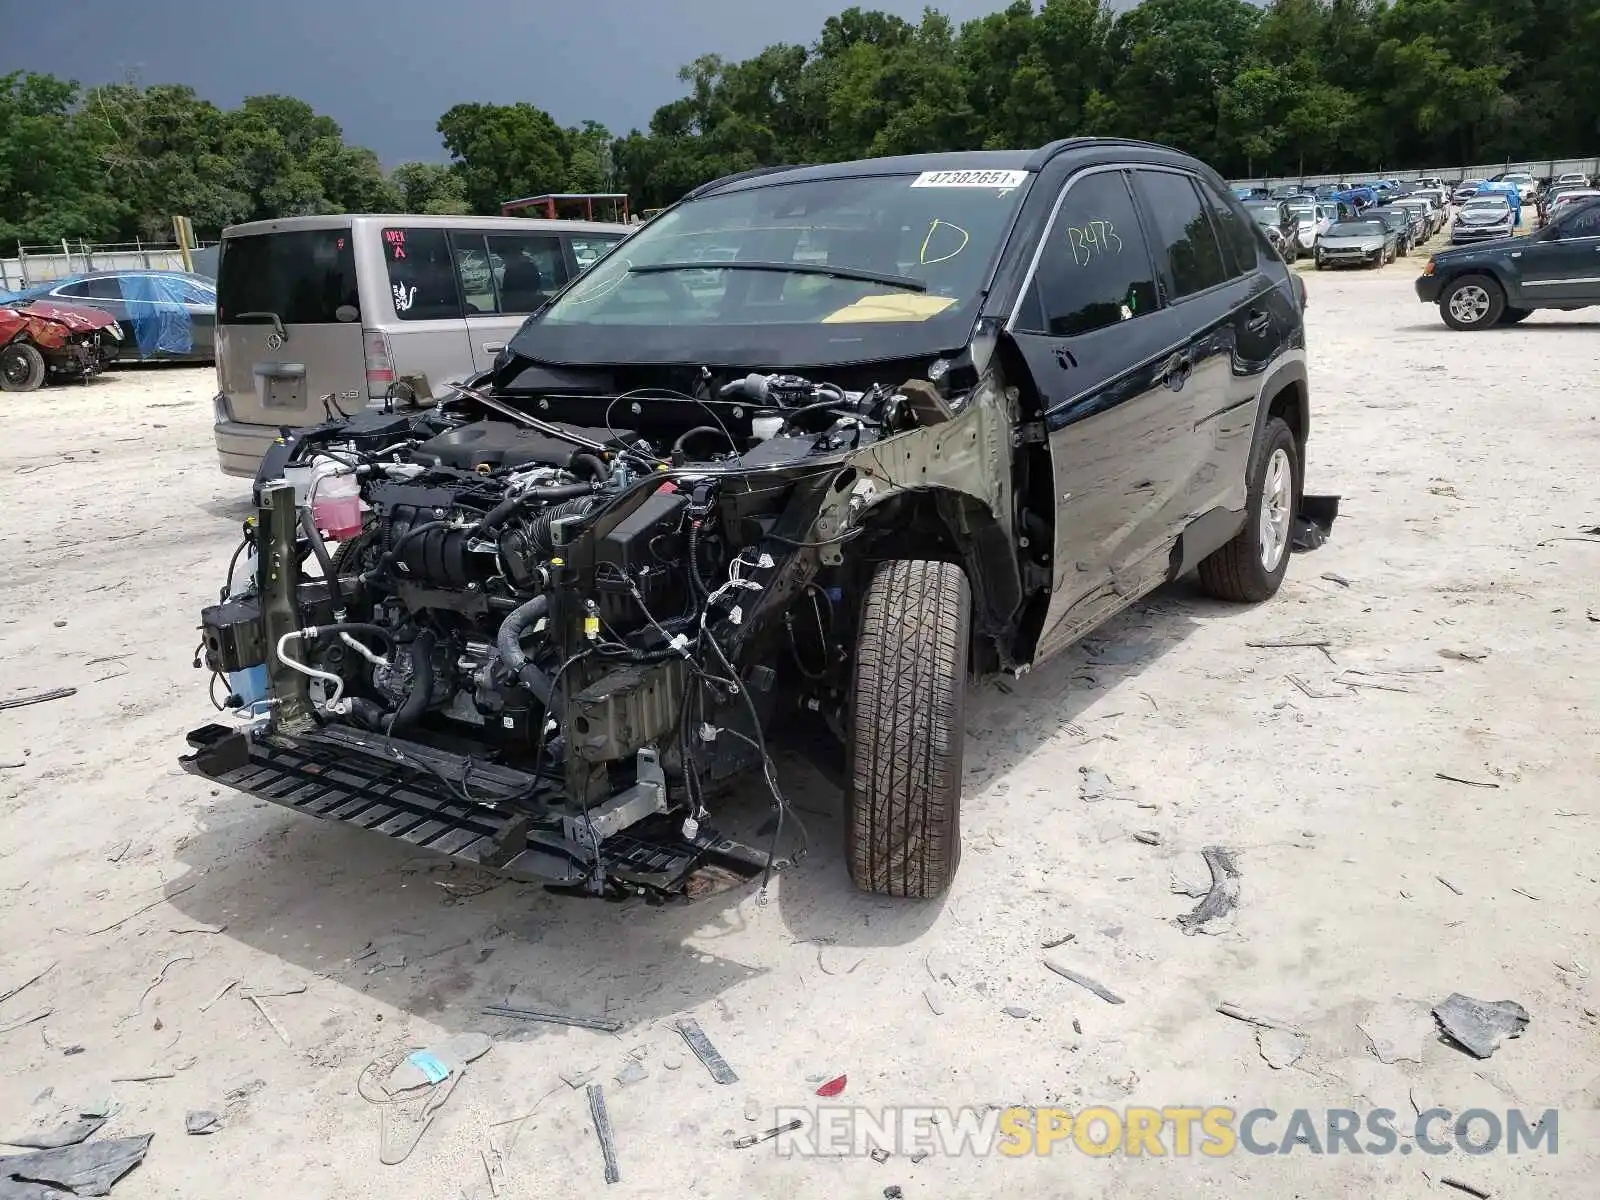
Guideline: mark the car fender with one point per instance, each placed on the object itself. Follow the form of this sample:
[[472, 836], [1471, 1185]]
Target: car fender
[[1289, 372]]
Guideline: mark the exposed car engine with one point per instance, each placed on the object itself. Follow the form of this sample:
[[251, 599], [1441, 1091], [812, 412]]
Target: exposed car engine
[[538, 620]]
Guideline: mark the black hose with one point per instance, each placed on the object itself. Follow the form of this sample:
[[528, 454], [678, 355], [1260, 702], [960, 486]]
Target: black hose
[[501, 513], [678, 455], [416, 701], [598, 470], [509, 643], [308, 522]]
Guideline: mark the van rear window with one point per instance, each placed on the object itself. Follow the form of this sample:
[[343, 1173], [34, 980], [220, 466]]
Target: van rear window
[[305, 276]]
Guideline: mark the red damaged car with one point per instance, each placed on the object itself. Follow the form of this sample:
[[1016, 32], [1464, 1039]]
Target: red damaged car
[[43, 339]]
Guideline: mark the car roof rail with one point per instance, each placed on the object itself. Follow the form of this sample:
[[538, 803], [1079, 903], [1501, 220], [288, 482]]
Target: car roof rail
[[1049, 150], [736, 177]]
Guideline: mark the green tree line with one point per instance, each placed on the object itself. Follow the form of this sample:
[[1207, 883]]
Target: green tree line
[[1299, 86]]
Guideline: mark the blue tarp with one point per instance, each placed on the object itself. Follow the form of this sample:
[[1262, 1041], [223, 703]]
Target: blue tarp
[[161, 323]]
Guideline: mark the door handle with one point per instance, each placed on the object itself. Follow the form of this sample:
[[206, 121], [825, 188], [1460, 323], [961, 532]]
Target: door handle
[[493, 347], [1257, 321]]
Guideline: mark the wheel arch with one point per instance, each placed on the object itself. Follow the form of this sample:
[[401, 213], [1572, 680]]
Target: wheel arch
[[943, 524]]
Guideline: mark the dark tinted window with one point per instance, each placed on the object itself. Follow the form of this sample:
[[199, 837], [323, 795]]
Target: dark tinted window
[[1095, 270], [422, 277], [1238, 239], [305, 276], [528, 267], [1186, 246], [105, 288], [1584, 223]]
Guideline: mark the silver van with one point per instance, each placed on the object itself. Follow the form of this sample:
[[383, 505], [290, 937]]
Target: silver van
[[322, 313]]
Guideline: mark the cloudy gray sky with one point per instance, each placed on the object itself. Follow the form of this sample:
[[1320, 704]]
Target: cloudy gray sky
[[386, 69]]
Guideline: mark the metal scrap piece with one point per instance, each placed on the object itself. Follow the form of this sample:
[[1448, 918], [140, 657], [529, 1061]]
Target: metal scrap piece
[[1082, 981], [1223, 897], [602, 1129], [1478, 1025], [605, 1024], [88, 1170], [705, 1051], [751, 1139], [69, 1134]]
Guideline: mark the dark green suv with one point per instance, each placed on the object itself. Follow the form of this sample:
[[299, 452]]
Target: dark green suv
[[1500, 282]]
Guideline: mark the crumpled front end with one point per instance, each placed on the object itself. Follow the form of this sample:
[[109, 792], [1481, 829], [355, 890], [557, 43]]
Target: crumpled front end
[[547, 644]]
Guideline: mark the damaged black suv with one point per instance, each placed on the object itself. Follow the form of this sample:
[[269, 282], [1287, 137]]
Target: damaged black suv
[[815, 444]]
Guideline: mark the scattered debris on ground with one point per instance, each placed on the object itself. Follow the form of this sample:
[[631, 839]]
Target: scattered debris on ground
[[1280, 1048], [202, 1121], [602, 1129], [1477, 783], [88, 1169], [1478, 1025], [833, 1087], [1083, 981], [691, 1033], [38, 697], [1223, 896], [605, 1024], [69, 1134], [752, 1139]]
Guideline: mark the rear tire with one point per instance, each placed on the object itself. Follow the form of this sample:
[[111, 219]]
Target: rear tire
[[904, 731], [1472, 302], [1239, 571], [21, 367]]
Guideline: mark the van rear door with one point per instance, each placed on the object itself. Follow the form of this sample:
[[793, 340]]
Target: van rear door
[[289, 325]]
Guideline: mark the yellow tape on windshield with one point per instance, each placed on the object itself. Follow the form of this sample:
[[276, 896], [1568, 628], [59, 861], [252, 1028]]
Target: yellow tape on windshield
[[896, 306]]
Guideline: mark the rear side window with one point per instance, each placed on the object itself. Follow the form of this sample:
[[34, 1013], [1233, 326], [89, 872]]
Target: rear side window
[[1186, 246], [107, 287], [528, 268], [1238, 238], [587, 248], [1095, 268], [303, 276], [422, 277]]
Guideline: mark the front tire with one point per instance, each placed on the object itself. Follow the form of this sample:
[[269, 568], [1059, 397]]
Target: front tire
[[1251, 567], [905, 729], [21, 367], [1472, 302]]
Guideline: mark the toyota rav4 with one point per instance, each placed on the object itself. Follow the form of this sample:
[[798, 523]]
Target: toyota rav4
[[815, 444]]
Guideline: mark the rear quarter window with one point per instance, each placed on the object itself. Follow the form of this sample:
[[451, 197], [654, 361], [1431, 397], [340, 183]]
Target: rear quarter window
[[422, 274], [304, 276]]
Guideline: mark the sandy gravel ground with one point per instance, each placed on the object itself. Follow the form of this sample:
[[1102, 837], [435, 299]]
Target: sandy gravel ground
[[1468, 466]]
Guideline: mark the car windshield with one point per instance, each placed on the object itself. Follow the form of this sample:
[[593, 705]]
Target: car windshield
[[1265, 214], [1486, 202], [883, 248], [1357, 229]]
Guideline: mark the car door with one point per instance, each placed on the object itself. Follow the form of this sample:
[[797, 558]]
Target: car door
[[427, 336], [1236, 320], [1562, 264], [1108, 367], [523, 271]]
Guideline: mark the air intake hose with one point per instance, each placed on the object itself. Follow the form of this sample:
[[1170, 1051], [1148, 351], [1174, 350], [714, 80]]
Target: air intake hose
[[512, 658]]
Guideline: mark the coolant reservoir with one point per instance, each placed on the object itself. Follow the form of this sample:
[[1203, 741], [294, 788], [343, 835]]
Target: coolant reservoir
[[337, 505]]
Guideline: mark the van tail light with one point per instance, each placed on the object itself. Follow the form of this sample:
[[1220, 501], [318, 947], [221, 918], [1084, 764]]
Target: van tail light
[[380, 363]]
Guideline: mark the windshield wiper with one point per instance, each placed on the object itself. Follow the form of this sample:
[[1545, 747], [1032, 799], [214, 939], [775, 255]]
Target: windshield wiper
[[788, 268]]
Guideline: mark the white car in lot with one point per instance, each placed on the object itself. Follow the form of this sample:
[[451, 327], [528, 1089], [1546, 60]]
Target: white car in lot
[[1527, 185], [1315, 220], [1574, 178]]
